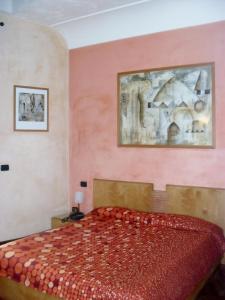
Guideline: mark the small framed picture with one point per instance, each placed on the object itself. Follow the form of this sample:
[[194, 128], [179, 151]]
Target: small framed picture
[[30, 108]]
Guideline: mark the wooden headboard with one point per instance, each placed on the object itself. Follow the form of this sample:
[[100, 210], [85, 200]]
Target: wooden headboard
[[133, 195], [202, 202]]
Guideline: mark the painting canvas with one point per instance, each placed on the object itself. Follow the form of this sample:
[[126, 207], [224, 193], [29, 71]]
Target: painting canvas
[[31, 108], [167, 107]]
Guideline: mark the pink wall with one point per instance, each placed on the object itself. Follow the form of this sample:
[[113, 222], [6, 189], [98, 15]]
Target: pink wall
[[93, 111]]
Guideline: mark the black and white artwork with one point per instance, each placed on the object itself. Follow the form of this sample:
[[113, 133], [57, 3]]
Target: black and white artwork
[[31, 108], [169, 107]]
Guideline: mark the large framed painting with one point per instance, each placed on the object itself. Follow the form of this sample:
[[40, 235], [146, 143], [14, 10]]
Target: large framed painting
[[167, 107], [30, 108]]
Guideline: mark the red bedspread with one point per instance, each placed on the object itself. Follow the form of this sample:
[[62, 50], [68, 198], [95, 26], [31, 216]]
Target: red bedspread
[[116, 254]]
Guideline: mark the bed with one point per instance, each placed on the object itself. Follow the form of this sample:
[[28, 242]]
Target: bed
[[118, 251]]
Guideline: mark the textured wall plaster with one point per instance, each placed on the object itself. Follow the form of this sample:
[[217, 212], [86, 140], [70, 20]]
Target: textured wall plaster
[[36, 186], [93, 111]]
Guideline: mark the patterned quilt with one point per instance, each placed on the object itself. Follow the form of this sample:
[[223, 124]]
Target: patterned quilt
[[116, 253]]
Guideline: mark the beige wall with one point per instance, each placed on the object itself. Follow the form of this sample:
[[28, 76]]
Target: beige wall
[[35, 188]]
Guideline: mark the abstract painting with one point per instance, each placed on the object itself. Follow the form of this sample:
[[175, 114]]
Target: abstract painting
[[167, 107]]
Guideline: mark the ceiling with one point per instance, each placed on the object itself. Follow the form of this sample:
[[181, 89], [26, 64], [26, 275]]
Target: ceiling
[[54, 12], [88, 22]]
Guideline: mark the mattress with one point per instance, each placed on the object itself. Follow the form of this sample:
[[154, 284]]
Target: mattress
[[116, 253]]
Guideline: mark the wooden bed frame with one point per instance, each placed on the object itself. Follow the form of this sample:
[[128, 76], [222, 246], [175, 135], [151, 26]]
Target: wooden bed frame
[[205, 203], [201, 202], [11, 290]]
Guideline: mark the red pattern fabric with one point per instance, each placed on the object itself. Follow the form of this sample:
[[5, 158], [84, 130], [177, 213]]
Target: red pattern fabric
[[161, 219], [116, 253]]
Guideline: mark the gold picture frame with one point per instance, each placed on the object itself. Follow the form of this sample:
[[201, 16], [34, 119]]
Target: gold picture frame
[[167, 107]]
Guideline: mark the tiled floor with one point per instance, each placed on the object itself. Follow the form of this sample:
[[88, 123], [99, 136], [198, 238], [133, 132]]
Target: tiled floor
[[215, 287]]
